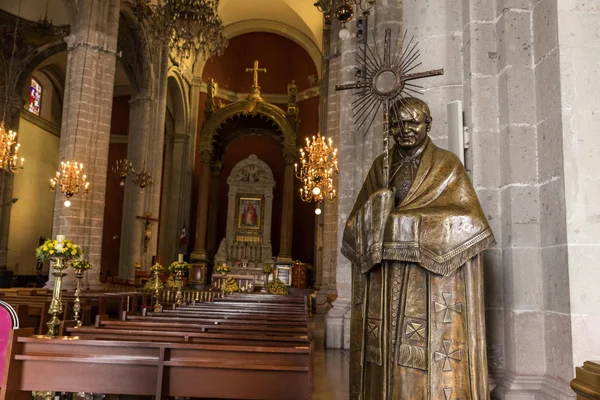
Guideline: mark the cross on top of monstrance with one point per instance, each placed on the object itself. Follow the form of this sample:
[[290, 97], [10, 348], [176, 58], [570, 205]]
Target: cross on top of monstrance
[[386, 77], [255, 90]]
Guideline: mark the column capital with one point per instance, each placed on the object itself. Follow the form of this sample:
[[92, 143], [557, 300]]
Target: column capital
[[289, 158], [216, 167], [205, 155]]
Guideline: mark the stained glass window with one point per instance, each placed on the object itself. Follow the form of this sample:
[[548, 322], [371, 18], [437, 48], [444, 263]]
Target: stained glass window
[[35, 97]]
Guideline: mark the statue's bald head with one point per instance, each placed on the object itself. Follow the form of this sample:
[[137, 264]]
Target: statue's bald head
[[410, 120]]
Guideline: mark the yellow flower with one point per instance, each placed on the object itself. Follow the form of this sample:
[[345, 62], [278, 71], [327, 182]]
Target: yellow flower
[[51, 251], [74, 252], [45, 248], [69, 245]]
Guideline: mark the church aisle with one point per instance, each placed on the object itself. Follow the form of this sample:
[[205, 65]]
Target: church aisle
[[331, 367]]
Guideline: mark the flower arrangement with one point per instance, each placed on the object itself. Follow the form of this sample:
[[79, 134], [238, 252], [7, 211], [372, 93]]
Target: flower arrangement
[[172, 282], [81, 265], [230, 285], [178, 266], [267, 269], [277, 287], [222, 269], [156, 268], [64, 249]]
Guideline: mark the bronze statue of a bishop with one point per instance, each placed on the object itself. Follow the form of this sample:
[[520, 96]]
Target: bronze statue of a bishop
[[417, 329]]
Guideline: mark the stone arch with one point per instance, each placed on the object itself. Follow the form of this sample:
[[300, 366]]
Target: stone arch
[[177, 93], [268, 111]]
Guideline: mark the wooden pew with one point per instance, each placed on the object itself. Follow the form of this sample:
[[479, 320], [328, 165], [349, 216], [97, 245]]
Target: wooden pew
[[160, 369]]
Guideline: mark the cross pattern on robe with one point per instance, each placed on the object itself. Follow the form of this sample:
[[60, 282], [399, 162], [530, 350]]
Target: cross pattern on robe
[[415, 331], [447, 393], [446, 356], [256, 70], [447, 307], [373, 330]]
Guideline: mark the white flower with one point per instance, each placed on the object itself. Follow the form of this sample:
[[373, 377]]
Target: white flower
[[59, 248]]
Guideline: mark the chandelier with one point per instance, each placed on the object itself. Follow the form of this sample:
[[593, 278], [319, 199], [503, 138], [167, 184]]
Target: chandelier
[[143, 179], [122, 168], [343, 9], [70, 180], [318, 165], [9, 151], [188, 24]]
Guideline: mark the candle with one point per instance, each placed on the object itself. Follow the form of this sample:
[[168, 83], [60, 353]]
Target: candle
[[180, 258], [60, 238]]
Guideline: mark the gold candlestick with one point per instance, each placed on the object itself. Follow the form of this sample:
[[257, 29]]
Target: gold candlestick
[[157, 287], [77, 304], [56, 304], [179, 295]]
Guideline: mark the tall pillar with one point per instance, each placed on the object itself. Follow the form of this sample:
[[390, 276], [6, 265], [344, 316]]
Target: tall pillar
[[171, 219], [85, 129], [132, 246], [287, 213], [199, 253], [212, 239]]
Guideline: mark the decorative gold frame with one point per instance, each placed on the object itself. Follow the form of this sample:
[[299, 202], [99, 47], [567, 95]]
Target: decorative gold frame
[[260, 209]]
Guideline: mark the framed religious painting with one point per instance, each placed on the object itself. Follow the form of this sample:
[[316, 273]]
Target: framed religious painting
[[249, 212]]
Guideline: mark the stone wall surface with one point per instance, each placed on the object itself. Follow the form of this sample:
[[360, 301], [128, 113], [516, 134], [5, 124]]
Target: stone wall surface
[[526, 72], [85, 129]]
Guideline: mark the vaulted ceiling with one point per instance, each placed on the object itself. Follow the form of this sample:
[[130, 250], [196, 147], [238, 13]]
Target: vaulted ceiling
[[298, 18]]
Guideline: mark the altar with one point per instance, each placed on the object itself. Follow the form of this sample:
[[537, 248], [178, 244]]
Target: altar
[[246, 249]]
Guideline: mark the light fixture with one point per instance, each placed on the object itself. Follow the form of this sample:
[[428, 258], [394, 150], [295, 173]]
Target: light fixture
[[122, 168], [143, 179], [188, 25], [70, 180], [343, 9], [9, 148], [9, 151], [318, 166]]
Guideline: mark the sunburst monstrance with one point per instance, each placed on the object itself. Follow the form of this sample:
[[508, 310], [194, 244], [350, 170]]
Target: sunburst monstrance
[[387, 76]]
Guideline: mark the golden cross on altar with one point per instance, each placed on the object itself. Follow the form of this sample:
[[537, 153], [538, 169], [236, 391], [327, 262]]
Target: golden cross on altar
[[256, 70]]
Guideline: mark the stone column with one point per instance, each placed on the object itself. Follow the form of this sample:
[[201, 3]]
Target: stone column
[[212, 239], [199, 253], [85, 128], [132, 229], [337, 332], [287, 213], [171, 219]]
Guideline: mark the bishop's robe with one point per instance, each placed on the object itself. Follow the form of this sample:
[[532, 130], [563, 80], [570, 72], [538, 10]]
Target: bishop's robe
[[417, 328]]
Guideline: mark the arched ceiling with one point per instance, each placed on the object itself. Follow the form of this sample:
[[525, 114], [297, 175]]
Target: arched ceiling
[[34, 10], [300, 15]]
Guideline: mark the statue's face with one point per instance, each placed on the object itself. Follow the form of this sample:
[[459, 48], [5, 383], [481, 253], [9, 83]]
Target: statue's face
[[411, 129]]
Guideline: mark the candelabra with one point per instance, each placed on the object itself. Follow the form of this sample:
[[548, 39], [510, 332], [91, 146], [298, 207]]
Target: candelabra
[[318, 166], [9, 151], [122, 168], [143, 179], [70, 180], [188, 24]]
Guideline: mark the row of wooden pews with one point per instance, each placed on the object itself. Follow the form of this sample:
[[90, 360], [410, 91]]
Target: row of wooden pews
[[238, 347]]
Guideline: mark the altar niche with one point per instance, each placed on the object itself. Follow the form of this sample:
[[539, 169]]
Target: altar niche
[[246, 247]]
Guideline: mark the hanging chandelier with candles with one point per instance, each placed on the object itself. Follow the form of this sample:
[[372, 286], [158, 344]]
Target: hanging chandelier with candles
[[318, 166], [9, 151], [70, 180], [189, 25], [343, 10], [122, 169]]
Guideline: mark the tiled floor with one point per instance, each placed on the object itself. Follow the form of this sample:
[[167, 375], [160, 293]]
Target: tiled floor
[[331, 367]]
